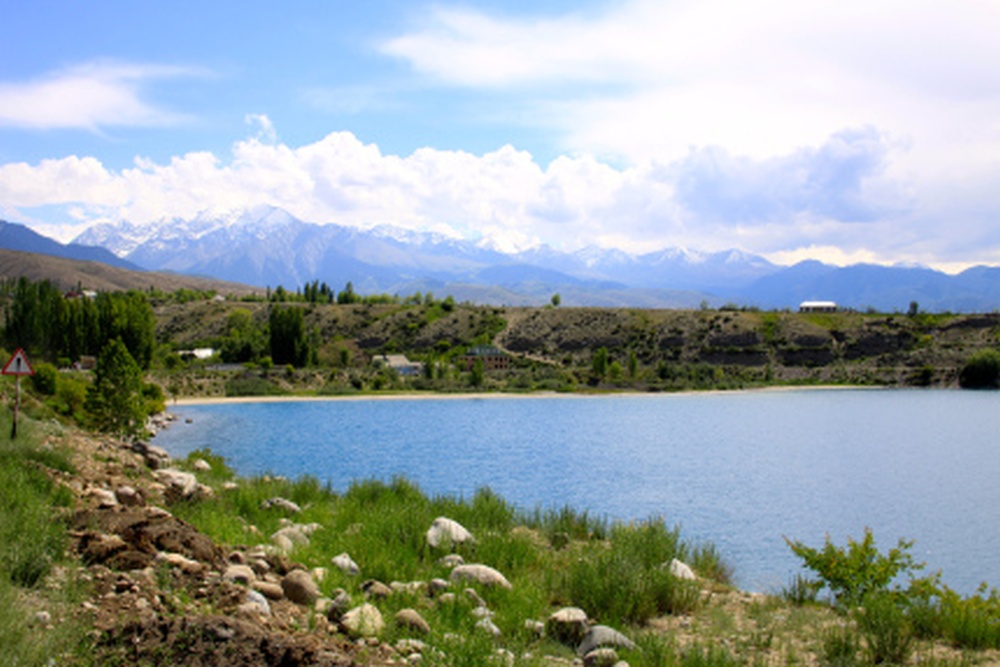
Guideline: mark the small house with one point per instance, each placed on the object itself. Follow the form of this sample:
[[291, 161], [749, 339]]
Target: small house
[[817, 307], [402, 365], [493, 358]]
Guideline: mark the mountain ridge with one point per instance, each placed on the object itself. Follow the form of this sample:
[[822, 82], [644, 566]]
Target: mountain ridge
[[267, 246]]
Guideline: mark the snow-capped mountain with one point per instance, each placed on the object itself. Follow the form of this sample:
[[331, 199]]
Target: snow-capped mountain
[[266, 246]]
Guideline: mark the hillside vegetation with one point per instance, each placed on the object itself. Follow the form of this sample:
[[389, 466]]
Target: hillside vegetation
[[592, 348]]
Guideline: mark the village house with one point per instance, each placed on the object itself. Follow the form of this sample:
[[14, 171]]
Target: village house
[[493, 358], [817, 307], [400, 364]]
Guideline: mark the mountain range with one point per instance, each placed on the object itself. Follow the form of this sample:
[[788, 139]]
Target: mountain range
[[267, 247]]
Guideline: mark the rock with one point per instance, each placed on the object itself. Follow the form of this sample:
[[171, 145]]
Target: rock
[[282, 504], [179, 484], [681, 570], [239, 574], [375, 590], [319, 574], [183, 563], [474, 597], [42, 618], [282, 542], [409, 646], [412, 620], [257, 602], [437, 586], [446, 532], [289, 537], [601, 657], [346, 564], [106, 499], [481, 612], [483, 574], [602, 636], [270, 590], [536, 628], [128, 496], [155, 457], [568, 625], [363, 621], [300, 588], [100, 547], [451, 561], [408, 588], [489, 626], [339, 604], [201, 465]]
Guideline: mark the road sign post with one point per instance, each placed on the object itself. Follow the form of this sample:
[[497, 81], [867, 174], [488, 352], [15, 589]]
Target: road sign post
[[17, 366]]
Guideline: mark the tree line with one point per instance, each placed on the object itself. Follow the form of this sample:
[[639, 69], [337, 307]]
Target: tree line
[[61, 327]]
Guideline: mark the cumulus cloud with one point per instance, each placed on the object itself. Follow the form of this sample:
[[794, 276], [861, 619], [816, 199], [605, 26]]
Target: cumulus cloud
[[831, 195], [649, 80], [90, 96]]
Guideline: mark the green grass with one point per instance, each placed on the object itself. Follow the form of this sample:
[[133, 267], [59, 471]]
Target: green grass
[[32, 544]]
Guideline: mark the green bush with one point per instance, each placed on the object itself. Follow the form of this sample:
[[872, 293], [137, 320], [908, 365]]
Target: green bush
[[45, 378], [854, 571], [840, 647], [972, 622], [981, 371], [886, 629]]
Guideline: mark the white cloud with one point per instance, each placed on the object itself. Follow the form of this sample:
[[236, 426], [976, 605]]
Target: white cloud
[[91, 96], [647, 79], [841, 200]]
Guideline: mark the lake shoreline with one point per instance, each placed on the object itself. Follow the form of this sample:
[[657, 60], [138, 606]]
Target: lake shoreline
[[417, 396]]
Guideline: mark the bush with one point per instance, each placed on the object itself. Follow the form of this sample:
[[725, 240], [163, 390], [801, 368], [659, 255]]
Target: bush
[[45, 378], [981, 371], [886, 629], [853, 572]]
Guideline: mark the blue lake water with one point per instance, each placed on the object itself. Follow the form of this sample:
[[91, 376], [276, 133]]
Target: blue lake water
[[740, 469]]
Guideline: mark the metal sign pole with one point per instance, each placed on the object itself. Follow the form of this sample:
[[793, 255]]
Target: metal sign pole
[[17, 406]]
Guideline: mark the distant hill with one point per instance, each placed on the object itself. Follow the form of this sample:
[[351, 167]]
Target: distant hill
[[18, 237], [68, 273]]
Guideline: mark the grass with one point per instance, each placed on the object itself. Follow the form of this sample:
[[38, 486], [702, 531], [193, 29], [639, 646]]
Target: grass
[[32, 546]]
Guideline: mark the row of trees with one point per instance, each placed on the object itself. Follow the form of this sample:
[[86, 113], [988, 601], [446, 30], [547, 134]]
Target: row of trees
[[58, 328]]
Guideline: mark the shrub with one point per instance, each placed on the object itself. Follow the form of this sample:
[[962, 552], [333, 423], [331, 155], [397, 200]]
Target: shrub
[[972, 622], [801, 590], [886, 629], [854, 571], [840, 647], [45, 378], [981, 371]]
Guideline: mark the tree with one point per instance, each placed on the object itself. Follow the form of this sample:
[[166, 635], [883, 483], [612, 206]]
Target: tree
[[556, 300], [600, 363], [115, 401], [244, 340], [981, 371], [289, 343], [478, 374]]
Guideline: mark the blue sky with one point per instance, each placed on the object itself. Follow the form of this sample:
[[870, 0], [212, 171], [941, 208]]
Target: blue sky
[[849, 131]]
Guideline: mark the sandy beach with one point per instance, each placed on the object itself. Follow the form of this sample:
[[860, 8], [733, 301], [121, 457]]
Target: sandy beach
[[416, 396]]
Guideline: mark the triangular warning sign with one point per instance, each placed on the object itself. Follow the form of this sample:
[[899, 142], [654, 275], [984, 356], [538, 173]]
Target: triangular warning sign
[[18, 365]]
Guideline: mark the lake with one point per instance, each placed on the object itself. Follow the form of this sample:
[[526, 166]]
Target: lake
[[739, 469]]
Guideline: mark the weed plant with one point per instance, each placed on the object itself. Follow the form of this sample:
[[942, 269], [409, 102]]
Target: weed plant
[[885, 628]]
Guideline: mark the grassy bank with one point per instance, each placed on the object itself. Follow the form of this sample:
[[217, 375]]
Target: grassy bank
[[615, 572], [39, 617], [857, 606]]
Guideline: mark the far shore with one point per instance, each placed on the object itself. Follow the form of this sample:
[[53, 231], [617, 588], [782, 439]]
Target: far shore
[[421, 396]]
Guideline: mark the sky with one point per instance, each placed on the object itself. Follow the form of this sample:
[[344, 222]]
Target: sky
[[849, 131]]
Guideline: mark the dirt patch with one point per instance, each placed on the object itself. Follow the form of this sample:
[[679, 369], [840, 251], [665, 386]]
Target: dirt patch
[[218, 641]]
